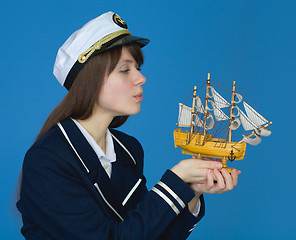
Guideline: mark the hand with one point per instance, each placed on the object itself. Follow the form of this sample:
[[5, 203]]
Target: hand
[[217, 182], [194, 170]]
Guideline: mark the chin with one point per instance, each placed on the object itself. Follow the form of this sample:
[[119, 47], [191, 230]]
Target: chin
[[134, 111], [129, 112]]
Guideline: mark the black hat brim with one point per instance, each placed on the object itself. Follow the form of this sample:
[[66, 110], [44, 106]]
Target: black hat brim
[[126, 40]]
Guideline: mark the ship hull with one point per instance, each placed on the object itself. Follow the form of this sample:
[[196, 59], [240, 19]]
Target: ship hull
[[206, 146]]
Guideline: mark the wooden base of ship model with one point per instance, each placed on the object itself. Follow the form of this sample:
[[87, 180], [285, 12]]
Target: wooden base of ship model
[[207, 146]]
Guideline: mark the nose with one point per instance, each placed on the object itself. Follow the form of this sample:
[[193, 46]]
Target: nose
[[141, 79]]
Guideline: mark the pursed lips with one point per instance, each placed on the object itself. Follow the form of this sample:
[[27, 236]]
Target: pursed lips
[[139, 96]]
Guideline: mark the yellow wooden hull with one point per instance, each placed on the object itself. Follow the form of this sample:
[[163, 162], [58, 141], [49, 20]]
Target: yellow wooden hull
[[194, 144]]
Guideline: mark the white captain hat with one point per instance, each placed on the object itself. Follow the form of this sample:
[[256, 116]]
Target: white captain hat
[[98, 35]]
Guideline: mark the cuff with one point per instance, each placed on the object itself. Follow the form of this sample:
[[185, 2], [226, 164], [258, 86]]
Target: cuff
[[196, 209], [174, 191]]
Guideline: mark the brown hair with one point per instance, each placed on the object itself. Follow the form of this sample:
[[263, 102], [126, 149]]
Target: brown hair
[[81, 98]]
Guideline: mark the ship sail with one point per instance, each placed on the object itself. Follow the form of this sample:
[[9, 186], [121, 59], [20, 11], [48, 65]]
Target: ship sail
[[218, 113], [254, 116], [211, 122], [235, 123], [246, 122], [252, 141], [264, 132], [220, 102], [239, 98], [198, 122], [184, 118], [199, 107]]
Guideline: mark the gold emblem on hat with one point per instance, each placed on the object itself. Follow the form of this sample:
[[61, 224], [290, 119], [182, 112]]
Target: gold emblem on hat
[[98, 45], [119, 21]]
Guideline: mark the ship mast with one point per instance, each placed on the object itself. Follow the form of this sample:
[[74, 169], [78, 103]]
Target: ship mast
[[193, 110], [231, 110], [206, 105]]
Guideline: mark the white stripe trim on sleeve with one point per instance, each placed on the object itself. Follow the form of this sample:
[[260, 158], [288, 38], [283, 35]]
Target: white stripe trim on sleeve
[[174, 195], [166, 199]]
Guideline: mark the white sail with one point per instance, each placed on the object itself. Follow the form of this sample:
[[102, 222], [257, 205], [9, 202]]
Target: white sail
[[199, 107], [254, 116], [198, 122], [239, 98], [211, 122], [219, 100], [184, 115], [264, 132], [252, 141], [246, 122], [234, 124], [218, 113], [233, 111]]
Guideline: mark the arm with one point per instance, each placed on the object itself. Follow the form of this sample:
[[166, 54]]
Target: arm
[[224, 182]]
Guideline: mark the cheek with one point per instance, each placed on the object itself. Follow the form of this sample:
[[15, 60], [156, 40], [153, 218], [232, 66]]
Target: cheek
[[114, 93]]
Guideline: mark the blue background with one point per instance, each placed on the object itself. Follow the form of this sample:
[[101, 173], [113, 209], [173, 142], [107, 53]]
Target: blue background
[[251, 42]]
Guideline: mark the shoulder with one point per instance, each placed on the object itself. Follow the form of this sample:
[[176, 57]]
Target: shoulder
[[50, 141], [49, 150]]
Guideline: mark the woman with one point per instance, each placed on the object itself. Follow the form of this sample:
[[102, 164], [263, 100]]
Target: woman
[[82, 179]]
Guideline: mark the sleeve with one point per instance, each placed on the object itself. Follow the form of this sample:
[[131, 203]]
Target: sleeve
[[55, 204], [183, 224]]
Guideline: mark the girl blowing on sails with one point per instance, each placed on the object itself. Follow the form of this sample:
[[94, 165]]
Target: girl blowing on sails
[[82, 179]]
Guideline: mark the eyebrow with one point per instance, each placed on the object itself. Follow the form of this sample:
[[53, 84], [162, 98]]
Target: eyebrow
[[128, 61]]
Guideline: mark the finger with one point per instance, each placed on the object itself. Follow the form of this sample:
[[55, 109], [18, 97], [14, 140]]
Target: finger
[[199, 175], [210, 179], [228, 180], [208, 164], [207, 159], [194, 157], [219, 179], [234, 175]]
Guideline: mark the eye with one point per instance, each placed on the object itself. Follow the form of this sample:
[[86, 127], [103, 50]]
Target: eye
[[139, 68], [126, 70]]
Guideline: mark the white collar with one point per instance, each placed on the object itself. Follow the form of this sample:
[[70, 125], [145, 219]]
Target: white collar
[[110, 155]]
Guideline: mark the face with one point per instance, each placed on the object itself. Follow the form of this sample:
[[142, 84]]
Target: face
[[121, 93]]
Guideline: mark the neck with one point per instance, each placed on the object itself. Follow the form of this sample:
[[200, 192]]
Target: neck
[[96, 125]]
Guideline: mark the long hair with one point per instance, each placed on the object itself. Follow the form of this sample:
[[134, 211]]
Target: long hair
[[83, 94]]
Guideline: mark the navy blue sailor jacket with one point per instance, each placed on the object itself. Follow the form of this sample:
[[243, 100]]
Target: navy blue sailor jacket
[[67, 194]]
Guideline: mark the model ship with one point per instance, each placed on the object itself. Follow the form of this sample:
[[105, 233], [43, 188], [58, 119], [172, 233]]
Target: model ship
[[207, 129]]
